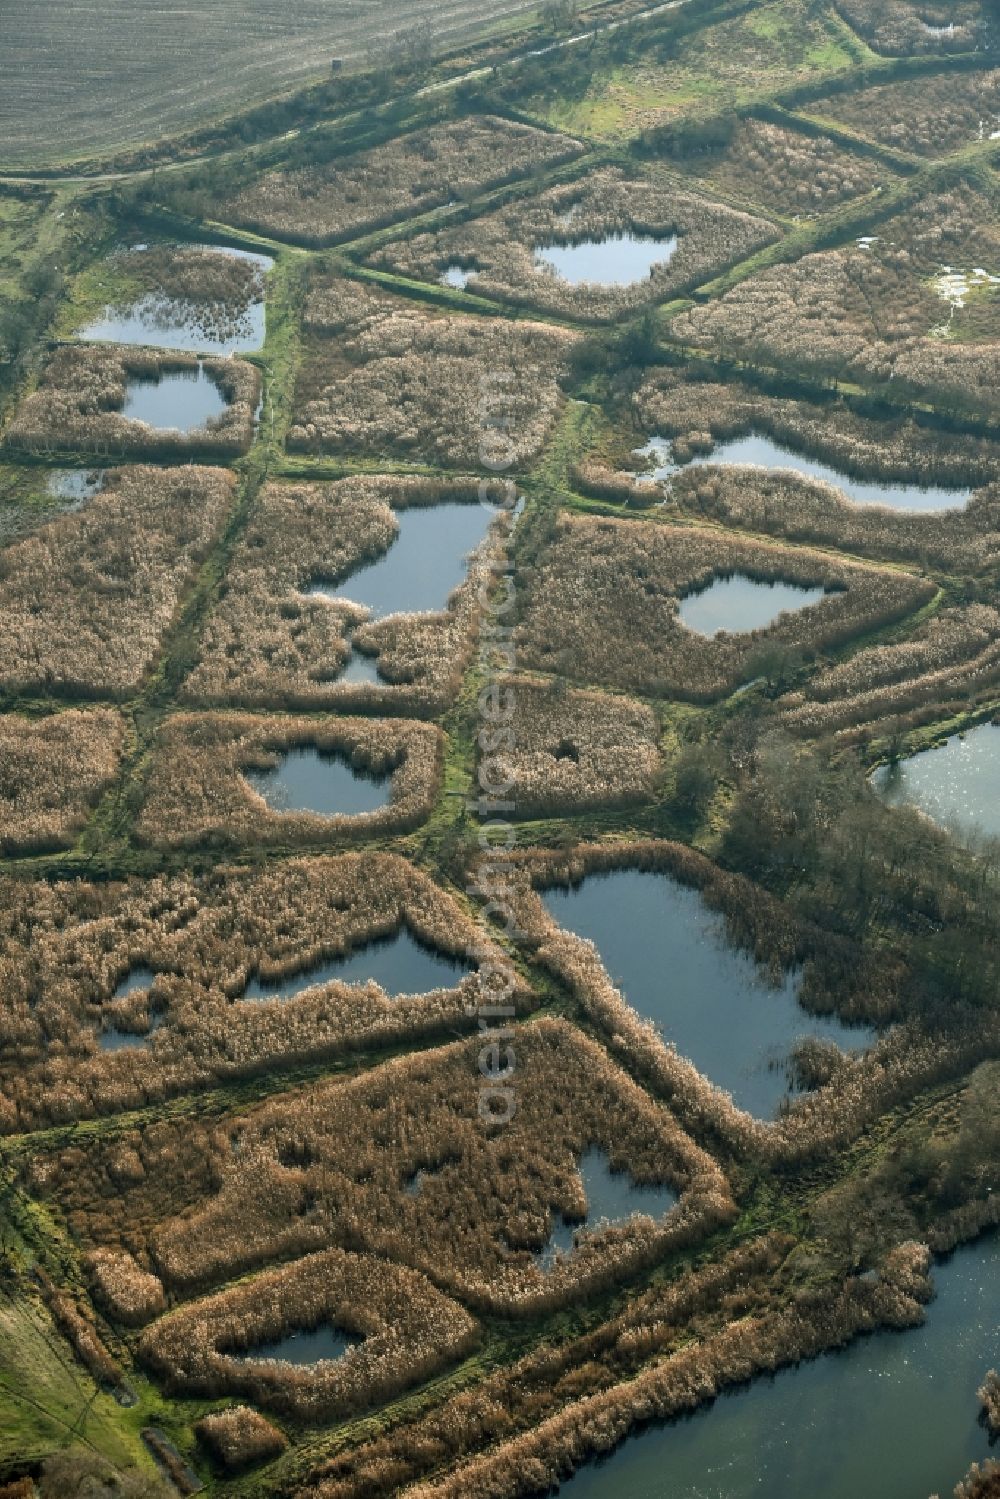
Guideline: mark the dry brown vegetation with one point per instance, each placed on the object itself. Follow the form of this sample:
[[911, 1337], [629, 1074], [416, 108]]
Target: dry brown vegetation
[[318, 205], [337, 1164], [869, 313], [938, 115], [422, 386], [408, 1332], [981, 1482], [78, 1328], [584, 1429], [240, 1437], [268, 644], [197, 792], [989, 1399], [948, 664], [501, 246], [798, 509], [86, 601], [567, 750], [52, 772], [898, 27], [204, 287], [602, 602], [784, 171], [66, 947], [129, 1293], [77, 407]]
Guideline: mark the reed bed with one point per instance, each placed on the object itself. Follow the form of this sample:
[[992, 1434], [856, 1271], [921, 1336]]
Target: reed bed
[[349, 195], [949, 663], [65, 948], [240, 1437], [818, 1320], [895, 26], [989, 1399], [422, 387], [87, 600], [565, 750], [52, 772], [783, 171], [77, 407], [127, 1292], [197, 792], [515, 1397], [981, 1482], [268, 644], [602, 605], [409, 1331], [332, 1165], [698, 413], [791, 508], [206, 289], [501, 246], [939, 115], [837, 975]]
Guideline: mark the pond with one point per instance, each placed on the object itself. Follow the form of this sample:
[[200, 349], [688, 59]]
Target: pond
[[738, 604], [894, 1415], [425, 563], [612, 1196], [175, 323], [112, 1039], [672, 959], [616, 260], [399, 964], [182, 401], [457, 276], [323, 1344], [136, 978], [957, 783], [306, 780], [764, 452]]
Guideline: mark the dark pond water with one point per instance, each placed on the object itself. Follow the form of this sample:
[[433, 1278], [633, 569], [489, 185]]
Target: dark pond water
[[179, 402], [765, 452], [325, 1343], [957, 783], [616, 260], [166, 323], [739, 604], [611, 1195], [112, 1039], [670, 956], [422, 567], [136, 978], [399, 965], [307, 781], [893, 1415]]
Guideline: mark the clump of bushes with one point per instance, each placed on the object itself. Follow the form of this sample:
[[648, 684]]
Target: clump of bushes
[[609, 201], [989, 1399], [408, 1330], [319, 205], [77, 407], [602, 605], [131, 1294], [240, 1437], [569, 750], [197, 792], [86, 601], [52, 772]]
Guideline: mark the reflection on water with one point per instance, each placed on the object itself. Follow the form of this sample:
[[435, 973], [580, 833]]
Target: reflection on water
[[398, 964], [672, 959], [893, 1415], [323, 1344], [182, 401], [306, 780], [958, 782], [616, 260], [612, 1196], [738, 604]]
